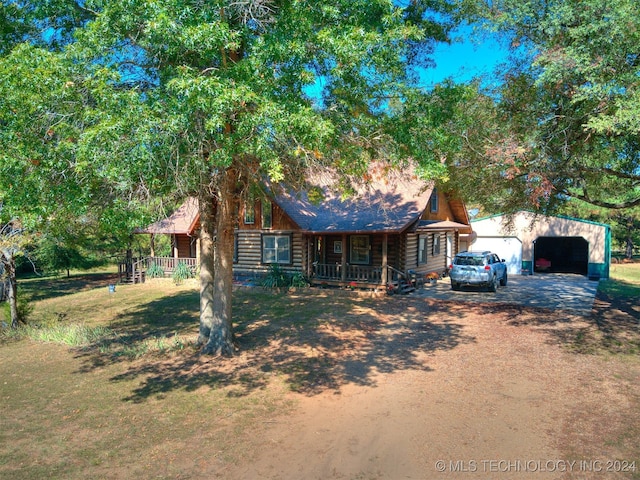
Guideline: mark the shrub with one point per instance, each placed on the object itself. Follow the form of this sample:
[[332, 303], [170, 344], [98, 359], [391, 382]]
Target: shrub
[[299, 280], [25, 309], [276, 278], [181, 273], [155, 271]]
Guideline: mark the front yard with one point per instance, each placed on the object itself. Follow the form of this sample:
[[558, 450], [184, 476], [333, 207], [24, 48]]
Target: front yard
[[324, 385]]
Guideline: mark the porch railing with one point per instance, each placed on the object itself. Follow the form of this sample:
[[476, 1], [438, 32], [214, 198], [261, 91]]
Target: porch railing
[[169, 264], [134, 269], [352, 273]]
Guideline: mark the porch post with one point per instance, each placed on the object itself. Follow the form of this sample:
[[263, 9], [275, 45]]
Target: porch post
[[324, 249], [305, 255], [311, 254], [152, 244], [174, 241], [385, 260], [343, 260]]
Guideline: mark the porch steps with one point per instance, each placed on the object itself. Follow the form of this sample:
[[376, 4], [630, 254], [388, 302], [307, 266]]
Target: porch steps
[[403, 287], [406, 287], [130, 278]]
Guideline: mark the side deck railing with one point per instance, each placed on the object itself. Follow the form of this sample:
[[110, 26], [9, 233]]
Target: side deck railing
[[133, 270], [169, 264]]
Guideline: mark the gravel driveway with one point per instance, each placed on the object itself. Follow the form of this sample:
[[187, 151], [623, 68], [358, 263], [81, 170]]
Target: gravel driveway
[[575, 293]]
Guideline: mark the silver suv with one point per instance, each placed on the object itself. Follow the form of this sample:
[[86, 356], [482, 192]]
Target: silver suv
[[478, 269]]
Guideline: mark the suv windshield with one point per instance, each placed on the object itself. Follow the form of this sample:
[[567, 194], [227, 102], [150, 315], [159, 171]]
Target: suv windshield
[[476, 261]]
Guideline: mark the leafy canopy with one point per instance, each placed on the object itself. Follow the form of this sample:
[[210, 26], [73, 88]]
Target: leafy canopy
[[565, 123]]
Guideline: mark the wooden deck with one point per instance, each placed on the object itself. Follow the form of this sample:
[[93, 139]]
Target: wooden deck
[[134, 270]]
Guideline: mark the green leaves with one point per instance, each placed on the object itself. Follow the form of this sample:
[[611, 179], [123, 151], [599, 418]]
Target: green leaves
[[131, 99], [571, 112]]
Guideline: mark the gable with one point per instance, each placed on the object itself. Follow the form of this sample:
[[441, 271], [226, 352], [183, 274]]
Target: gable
[[183, 221]]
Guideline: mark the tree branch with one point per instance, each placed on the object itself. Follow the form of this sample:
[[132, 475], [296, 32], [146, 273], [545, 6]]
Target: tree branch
[[598, 203]]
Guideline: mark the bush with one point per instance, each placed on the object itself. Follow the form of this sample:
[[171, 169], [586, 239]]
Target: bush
[[25, 309], [155, 271], [181, 273], [276, 278], [299, 280]]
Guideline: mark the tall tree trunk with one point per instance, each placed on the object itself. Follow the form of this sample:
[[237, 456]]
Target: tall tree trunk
[[12, 294], [207, 205], [221, 332], [629, 247], [629, 224]]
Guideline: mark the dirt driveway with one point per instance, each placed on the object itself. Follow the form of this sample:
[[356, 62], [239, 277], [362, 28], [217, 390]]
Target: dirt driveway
[[436, 389], [574, 293]]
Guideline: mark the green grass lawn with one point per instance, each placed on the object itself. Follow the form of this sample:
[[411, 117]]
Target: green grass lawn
[[624, 284], [626, 272]]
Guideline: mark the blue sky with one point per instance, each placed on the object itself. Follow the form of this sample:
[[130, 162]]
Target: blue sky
[[472, 55], [469, 55]]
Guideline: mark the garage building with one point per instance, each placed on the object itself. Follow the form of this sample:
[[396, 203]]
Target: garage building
[[532, 243]]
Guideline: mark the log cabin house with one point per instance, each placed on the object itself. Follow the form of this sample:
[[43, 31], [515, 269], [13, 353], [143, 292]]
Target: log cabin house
[[393, 230]]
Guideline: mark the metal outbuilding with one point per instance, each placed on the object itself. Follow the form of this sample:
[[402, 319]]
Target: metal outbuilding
[[532, 243]]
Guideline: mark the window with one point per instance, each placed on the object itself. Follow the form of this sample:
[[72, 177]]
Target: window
[[422, 249], [435, 245], [249, 214], [276, 249], [434, 200], [360, 250], [267, 214]]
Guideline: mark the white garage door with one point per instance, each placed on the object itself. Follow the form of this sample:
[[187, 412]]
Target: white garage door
[[507, 248]]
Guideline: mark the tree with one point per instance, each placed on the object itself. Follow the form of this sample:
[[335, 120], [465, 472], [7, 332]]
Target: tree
[[213, 98], [566, 116], [12, 242], [46, 180], [625, 224], [626, 231]]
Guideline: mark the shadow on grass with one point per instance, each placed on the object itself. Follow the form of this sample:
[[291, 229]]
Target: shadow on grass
[[36, 289], [171, 316], [316, 342]]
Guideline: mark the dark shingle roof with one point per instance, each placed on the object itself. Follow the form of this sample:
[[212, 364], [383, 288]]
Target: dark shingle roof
[[390, 202]]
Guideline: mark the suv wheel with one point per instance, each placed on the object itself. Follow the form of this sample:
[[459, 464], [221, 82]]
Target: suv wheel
[[455, 286], [493, 286], [503, 280]]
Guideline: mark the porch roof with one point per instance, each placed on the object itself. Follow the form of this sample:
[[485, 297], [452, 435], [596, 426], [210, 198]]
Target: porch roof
[[390, 202], [183, 221]]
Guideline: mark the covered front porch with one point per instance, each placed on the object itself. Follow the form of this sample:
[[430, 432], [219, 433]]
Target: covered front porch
[[358, 260], [358, 276]]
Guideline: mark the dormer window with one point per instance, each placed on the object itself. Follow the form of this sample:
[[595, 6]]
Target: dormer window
[[434, 200], [249, 214]]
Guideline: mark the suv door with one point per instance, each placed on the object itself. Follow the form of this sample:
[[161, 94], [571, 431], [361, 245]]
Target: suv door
[[500, 267]]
